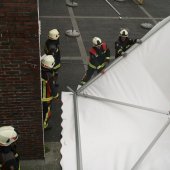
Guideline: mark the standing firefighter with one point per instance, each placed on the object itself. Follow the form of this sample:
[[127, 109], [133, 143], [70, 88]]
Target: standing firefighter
[[49, 90], [9, 159], [52, 48], [99, 57], [124, 43]]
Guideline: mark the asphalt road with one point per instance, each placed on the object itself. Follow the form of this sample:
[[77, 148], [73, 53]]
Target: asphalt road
[[91, 18]]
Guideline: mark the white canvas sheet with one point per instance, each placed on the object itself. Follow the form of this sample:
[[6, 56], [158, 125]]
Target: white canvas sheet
[[142, 77], [113, 137], [158, 157], [68, 149]]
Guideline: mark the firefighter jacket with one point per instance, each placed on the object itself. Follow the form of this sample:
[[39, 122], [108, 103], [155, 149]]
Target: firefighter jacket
[[9, 158], [99, 57], [122, 46], [52, 48], [49, 90]]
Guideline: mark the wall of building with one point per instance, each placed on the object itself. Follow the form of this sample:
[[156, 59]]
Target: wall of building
[[20, 94]]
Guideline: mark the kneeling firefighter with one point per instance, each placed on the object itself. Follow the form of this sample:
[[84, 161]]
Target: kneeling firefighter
[[49, 90], [9, 158]]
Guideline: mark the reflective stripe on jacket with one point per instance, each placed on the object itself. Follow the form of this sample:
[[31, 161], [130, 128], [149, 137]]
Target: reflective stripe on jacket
[[98, 56], [46, 91], [57, 66], [94, 52]]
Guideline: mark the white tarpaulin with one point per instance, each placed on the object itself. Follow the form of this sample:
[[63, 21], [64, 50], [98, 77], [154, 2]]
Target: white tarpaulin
[[120, 120]]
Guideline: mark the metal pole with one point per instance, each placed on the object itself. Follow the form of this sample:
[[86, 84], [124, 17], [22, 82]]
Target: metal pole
[[137, 164], [71, 3], [100, 74], [77, 131], [138, 2], [141, 2], [123, 103], [114, 9]]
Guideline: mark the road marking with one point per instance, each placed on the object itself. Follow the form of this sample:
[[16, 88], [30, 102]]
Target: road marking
[[79, 39], [102, 17], [77, 58], [51, 17]]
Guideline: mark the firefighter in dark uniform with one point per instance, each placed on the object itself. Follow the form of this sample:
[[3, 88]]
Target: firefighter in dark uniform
[[124, 43], [49, 91], [52, 48], [99, 57], [9, 158]]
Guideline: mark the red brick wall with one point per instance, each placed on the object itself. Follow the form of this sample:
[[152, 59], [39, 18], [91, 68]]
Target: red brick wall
[[20, 94]]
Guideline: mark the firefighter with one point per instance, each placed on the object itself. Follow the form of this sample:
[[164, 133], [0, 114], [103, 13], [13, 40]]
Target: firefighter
[[124, 43], [99, 57], [52, 48], [49, 91], [9, 159]]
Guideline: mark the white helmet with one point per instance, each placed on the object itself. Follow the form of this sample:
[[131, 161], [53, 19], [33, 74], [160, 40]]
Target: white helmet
[[53, 34], [8, 135], [124, 33], [96, 41], [47, 61]]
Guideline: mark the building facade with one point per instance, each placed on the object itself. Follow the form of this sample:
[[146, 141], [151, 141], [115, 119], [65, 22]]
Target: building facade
[[20, 89]]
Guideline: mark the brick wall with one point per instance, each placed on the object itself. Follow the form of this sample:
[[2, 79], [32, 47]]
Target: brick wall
[[20, 94]]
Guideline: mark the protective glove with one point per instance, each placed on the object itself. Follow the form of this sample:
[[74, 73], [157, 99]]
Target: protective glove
[[124, 54], [79, 86], [82, 83], [99, 67], [107, 60], [139, 41], [101, 70]]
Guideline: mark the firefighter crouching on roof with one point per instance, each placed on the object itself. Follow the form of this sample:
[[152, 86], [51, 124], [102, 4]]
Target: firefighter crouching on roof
[[49, 91], [99, 57], [52, 48], [124, 43], [9, 159]]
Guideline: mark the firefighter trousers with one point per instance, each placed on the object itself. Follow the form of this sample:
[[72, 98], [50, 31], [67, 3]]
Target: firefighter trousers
[[46, 113], [89, 73]]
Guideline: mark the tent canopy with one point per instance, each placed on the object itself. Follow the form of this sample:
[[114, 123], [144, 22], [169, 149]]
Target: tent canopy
[[120, 119]]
